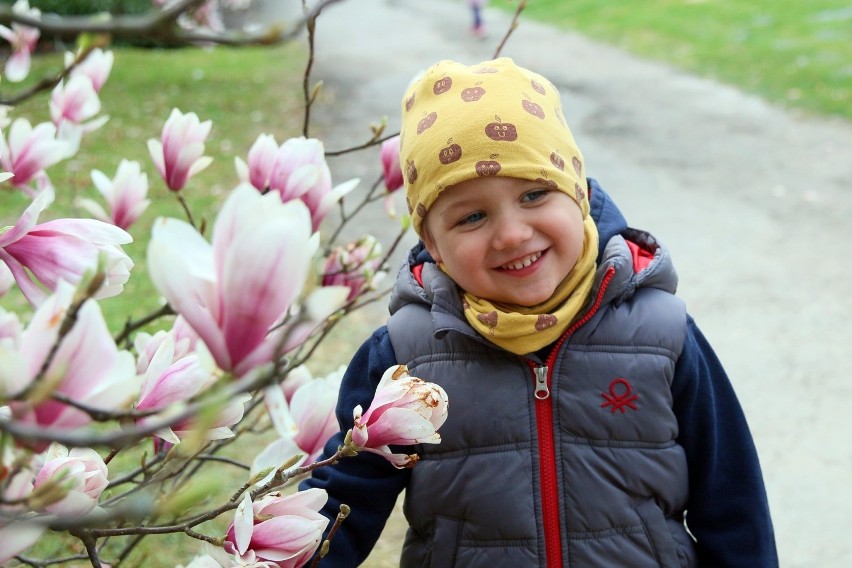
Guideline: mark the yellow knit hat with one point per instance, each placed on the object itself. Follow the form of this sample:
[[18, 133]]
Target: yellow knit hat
[[495, 118]]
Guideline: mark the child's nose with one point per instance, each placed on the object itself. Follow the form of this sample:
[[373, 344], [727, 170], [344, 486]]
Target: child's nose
[[511, 233]]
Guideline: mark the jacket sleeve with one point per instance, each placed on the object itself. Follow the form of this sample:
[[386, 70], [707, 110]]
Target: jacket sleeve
[[367, 483], [728, 512]]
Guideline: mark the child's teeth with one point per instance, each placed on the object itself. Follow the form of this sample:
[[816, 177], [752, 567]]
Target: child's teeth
[[523, 263]]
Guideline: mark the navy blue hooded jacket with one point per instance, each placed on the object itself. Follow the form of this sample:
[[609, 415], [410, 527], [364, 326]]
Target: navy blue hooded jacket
[[727, 512]]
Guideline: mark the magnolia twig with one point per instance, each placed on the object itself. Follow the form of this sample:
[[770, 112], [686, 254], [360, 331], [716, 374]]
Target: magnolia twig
[[44, 563], [308, 95], [217, 542], [112, 453], [122, 438], [521, 5], [222, 459], [345, 218], [125, 552], [213, 513], [90, 543], [101, 415], [131, 326], [186, 210], [341, 516], [371, 142], [46, 83], [130, 476]]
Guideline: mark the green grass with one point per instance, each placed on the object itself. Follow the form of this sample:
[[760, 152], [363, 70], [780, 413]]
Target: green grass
[[790, 52], [244, 92]]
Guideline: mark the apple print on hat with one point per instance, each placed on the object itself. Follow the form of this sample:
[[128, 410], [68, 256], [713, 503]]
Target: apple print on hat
[[493, 118]]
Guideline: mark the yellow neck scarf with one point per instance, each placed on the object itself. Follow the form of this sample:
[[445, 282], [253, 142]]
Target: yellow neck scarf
[[523, 329]]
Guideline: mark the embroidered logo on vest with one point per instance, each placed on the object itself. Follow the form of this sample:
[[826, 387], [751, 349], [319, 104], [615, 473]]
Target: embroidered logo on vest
[[620, 395]]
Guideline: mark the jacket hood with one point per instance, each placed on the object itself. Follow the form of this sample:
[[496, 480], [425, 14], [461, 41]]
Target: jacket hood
[[606, 215]]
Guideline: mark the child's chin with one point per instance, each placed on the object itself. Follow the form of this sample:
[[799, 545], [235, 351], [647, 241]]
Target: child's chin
[[530, 300]]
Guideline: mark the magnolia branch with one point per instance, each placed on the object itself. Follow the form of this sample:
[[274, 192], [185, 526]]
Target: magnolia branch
[[46, 83], [161, 25], [128, 512], [512, 26], [131, 326], [128, 436]]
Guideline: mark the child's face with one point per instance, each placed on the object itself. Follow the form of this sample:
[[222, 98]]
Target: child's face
[[505, 239]]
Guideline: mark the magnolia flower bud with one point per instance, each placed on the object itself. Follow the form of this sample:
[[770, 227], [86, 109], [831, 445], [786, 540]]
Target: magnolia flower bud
[[354, 266], [391, 169], [178, 153], [69, 483]]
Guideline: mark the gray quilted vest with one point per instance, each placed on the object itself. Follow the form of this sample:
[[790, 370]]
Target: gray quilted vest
[[575, 452]]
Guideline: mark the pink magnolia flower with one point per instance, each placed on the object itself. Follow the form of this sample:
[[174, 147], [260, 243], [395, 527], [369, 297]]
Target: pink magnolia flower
[[299, 167], [283, 531], [237, 292], [80, 471], [87, 366], [178, 155], [214, 559], [406, 410], [125, 195], [391, 169], [261, 160], [312, 409], [29, 151], [354, 266], [13, 367], [295, 379], [96, 66], [147, 345], [169, 381], [7, 280], [17, 533], [296, 170], [73, 108], [63, 249], [75, 101], [23, 40], [304, 418]]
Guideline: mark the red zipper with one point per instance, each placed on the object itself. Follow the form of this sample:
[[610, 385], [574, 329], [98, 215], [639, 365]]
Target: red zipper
[[546, 440]]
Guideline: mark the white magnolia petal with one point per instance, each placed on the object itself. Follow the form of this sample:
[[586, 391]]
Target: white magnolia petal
[[243, 524], [275, 455], [93, 207], [279, 411]]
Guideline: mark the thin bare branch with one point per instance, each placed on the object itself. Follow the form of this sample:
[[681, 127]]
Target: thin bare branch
[[159, 25], [222, 459], [131, 326], [512, 26], [374, 141], [121, 438]]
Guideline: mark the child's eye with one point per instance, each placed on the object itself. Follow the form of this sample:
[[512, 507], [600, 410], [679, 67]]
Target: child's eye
[[534, 195], [472, 218]]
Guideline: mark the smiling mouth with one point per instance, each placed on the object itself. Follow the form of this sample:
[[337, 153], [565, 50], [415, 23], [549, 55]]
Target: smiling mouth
[[522, 262]]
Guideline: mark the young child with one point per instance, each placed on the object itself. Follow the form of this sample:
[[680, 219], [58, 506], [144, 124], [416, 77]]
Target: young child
[[590, 423], [478, 26]]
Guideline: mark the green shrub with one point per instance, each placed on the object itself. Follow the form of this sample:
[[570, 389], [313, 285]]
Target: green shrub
[[82, 7]]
